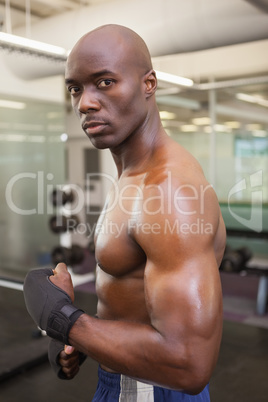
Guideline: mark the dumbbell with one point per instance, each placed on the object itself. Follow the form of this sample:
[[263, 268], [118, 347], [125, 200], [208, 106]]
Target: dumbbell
[[70, 256], [60, 197], [61, 223], [235, 260]]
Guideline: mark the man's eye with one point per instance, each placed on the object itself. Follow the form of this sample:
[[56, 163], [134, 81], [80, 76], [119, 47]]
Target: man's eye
[[73, 90], [105, 83]]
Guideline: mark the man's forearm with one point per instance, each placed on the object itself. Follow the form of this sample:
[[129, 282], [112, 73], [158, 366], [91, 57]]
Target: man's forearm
[[136, 350]]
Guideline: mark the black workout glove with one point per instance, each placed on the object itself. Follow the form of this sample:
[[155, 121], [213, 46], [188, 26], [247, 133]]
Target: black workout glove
[[54, 349], [50, 307]]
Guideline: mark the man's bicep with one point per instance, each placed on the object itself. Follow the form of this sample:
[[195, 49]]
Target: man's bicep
[[182, 282], [183, 301]]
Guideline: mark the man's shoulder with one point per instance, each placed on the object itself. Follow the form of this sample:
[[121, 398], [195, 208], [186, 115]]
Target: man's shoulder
[[176, 186], [178, 169]]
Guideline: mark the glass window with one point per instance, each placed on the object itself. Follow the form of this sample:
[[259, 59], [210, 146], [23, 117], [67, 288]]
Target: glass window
[[228, 134], [31, 163]]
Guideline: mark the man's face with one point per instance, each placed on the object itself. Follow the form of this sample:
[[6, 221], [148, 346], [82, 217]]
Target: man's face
[[107, 90]]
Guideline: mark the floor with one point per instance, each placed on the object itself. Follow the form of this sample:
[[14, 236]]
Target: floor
[[240, 375]]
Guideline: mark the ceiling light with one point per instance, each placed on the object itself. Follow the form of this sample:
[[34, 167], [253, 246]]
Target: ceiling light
[[11, 104], [259, 133], [253, 126], [233, 124], [174, 79], [188, 128], [171, 124], [252, 99], [19, 43], [168, 91], [167, 115], [201, 121], [13, 137], [22, 138], [64, 137], [178, 101], [222, 128]]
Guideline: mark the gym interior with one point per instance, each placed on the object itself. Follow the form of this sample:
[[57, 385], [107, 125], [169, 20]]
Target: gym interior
[[211, 59]]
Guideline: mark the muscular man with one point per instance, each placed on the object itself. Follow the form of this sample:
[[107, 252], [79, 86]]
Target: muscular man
[[159, 317]]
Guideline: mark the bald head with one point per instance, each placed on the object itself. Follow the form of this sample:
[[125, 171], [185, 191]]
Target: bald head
[[112, 84], [114, 42]]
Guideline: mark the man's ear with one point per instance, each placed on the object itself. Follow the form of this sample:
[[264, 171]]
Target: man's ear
[[150, 81]]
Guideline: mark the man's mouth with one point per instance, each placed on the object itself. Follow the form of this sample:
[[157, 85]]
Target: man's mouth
[[94, 127]]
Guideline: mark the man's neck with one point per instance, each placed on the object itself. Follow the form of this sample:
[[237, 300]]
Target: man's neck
[[133, 155]]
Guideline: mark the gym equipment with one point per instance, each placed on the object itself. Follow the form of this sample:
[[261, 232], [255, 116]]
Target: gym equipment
[[60, 197], [235, 260], [60, 223], [70, 256]]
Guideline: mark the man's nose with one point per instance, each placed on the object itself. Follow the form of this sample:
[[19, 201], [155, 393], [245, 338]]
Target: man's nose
[[87, 102]]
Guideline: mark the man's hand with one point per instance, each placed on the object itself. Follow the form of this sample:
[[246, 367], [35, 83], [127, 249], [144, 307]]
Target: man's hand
[[69, 361], [63, 280], [65, 360], [49, 304]]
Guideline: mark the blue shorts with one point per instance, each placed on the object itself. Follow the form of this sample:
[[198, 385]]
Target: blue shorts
[[119, 388]]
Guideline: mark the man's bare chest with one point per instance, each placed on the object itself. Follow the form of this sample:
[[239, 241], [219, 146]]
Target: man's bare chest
[[116, 250]]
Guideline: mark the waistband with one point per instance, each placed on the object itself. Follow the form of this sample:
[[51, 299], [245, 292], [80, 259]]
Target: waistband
[[109, 380], [128, 386]]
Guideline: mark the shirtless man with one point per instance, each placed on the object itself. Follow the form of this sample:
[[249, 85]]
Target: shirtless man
[[158, 328]]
